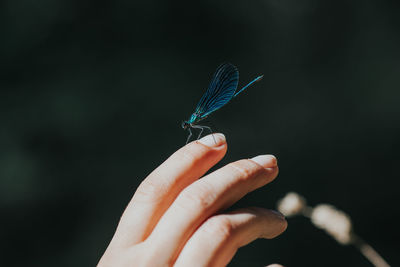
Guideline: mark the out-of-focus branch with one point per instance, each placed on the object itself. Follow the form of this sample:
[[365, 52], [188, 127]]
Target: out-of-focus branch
[[369, 252], [334, 222]]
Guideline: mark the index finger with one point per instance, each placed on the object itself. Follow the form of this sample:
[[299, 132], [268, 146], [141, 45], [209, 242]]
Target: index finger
[[157, 192]]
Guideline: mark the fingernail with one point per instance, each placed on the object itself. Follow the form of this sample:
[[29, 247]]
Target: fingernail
[[280, 215], [267, 161], [213, 140]]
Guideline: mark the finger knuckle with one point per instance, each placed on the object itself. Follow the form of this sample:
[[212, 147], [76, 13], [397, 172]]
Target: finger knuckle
[[220, 227], [190, 154], [150, 190], [199, 197], [244, 169]]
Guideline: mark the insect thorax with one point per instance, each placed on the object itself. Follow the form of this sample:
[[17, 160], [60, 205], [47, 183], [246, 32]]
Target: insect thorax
[[193, 118]]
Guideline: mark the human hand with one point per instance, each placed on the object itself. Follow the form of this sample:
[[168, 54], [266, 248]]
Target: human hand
[[177, 219]]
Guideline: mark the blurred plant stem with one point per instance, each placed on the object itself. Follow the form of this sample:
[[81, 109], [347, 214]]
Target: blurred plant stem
[[333, 221], [368, 252]]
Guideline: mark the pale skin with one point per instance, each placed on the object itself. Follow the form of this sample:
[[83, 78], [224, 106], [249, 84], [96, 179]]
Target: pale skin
[[177, 216]]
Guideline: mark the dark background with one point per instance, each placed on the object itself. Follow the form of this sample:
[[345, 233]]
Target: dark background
[[93, 94]]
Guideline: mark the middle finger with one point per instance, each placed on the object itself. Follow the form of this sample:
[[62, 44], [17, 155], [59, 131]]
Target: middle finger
[[205, 197]]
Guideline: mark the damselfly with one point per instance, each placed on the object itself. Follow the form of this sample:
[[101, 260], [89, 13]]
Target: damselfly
[[221, 90]]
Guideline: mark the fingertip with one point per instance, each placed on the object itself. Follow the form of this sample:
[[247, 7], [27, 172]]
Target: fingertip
[[213, 140], [277, 224], [281, 221], [284, 225], [201, 154], [278, 214], [266, 161]]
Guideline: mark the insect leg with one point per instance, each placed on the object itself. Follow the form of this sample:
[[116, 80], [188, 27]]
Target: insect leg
[[211, 131], [190, 135], [201, 131], [202, 127], [208, 128]]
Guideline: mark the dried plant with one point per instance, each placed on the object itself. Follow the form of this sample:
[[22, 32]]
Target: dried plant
[[334, 222]]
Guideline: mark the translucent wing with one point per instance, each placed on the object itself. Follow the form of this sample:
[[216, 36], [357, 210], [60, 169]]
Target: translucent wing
[[220, 91]]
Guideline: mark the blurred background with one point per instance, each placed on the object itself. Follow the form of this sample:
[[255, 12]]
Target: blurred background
[[92, 95]]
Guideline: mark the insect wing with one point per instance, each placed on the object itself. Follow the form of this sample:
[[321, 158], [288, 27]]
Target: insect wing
[[220, 91]]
